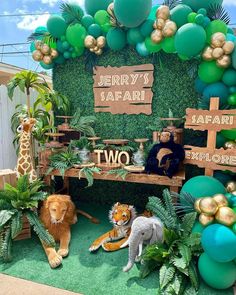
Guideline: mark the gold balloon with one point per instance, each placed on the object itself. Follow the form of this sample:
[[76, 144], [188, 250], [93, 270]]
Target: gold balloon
[[224, 61], [159, 23], [38, 44], [226, 216], [45, 49], [221, 200], [96, 48], [163, 12], [217, 40], [208, 206], [196, 205], [47, 59], [205, 219], [89, 41], [170, 25], [92, 49], [156, 36], [217, 52], [99, 51], [231, 186], [54, 53], [230, 145], [101, 42], [37, 55], [207, 53], [233, 193], [228, 47]]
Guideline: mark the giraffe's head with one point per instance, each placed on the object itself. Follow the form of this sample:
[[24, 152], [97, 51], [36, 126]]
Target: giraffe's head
[[27, 124]]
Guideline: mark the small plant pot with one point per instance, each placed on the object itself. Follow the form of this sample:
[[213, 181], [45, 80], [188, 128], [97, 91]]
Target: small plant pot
[[25, 232]]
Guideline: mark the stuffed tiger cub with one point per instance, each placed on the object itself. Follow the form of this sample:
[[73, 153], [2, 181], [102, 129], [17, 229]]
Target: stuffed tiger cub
[[122, 217]]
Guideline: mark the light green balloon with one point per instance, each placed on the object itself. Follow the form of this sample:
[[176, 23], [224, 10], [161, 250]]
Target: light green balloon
[[168, 44], [75, 35], [151, 46], [214, 27], [209, 72], [101, 17], [230, 134]]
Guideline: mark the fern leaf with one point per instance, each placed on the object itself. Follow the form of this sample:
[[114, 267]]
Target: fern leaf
[[190, 291], [217, 11], [169, 203], [188, 222], [193, 275], [193, 240], [185, 253], [23, 183], [5, 216], [39, 196], [176, 283], [179, 263], [38, 227], [122, 173], [16, 224], [88, 174], [7, 245], [72, 13], [166, 274]]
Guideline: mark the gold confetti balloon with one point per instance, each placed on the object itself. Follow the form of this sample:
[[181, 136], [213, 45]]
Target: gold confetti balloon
[[47, 59], [37, 55], [208, 206], [89, 41], [99, 51], [196, 205], [231, 186], [221, 200], [228, 47], [217, 53], [169, 29], [205, 219], [101, 42], [38, 44], [207, 54], [217, 40], [163, 12], [54, 53], [45, 49], [224, 61], [159, 24], [156, 36], [226, 216], [230, 145]]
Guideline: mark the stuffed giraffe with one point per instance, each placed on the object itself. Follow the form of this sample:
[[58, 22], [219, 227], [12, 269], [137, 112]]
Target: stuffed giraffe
[[24, 161]]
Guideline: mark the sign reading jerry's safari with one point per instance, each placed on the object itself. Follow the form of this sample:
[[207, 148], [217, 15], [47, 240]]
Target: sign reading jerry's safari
[[123, 90]]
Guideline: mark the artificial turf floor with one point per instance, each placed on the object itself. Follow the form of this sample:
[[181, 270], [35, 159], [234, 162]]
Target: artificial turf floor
[[83, 272]]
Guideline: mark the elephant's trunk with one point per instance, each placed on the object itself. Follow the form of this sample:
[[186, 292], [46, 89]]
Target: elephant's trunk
[[134, 242]]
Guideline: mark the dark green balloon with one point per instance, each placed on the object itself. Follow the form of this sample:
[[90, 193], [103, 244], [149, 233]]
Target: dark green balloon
[[230, 134], [132, 13], [95, 30], [60, 47], [197, 4], [229, 77], [75, 35], [134, 36], [168, 45], [151, 46], [116, 39], [209, 72], [214, 27], [87, 20], [146, 28], [56, 26], [232, 99], [217, 89], [222, 177], [92, 6], [199, 85], [220, 140], [179, 14], [67, 54], [60, 59], [190, 40], [197, 227]]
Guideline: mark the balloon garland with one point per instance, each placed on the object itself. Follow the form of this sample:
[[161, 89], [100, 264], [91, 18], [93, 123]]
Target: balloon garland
[[95, 45], [44, 53]]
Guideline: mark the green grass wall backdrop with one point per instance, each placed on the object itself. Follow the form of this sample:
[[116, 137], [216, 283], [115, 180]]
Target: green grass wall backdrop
[[173, 88]]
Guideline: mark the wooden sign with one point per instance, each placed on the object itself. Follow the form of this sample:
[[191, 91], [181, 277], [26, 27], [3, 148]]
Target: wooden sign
[[123, 90], [213, 121], [112, 156]]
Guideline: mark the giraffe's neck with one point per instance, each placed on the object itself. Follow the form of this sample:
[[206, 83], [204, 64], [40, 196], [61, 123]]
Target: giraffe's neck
[[24, 144]]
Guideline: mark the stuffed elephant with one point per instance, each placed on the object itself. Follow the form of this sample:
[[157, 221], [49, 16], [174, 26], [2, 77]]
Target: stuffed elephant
[[144, 230]]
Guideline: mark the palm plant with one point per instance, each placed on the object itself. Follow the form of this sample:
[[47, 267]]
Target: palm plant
[[82, 143], [26, 81], [72, 13], [83, 124], [88, 172], [176, 256], [15, 203]]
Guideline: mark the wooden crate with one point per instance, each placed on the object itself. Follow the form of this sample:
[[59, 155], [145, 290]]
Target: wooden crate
[[7, 176], [26, 231]]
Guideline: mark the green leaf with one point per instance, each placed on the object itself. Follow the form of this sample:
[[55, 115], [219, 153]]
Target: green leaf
[[169, 203], [166, 275], [147, 267], [88, 174], [23, 183], [6, 245], [185, 252], [193, 275], [170, 236], [180, 263], [122, 173], [16, 224], [176, 283], [5, 216], [188, 222], [190, 291]]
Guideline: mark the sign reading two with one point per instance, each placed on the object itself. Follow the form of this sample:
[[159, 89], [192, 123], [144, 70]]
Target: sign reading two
[[123, 90]]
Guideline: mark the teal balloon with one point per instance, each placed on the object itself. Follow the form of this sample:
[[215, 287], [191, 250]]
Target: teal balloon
[[60, 47], [230, 37], [87, 20], [206, 21], [214, 27], [146, 28], [202, 186], [40, 29], [209, 72], [69, 17], [152, 14], [132, 13], [232, 89], [229, 77], [233, 57], [134, 36], [220, 140], [95, 30], [229, 196], [197, 4], [67, 54], [142, 49], [92, 6], [65, 45], [218, 89], [56, 26], [75, 35], [230, 31], [151, 46], [32, 47], [221, 176], [116, 39], [60, 59], [190, 40], [179, 14], [168, 45], [219, 242], [199, 85], [197, 227], [202, 11], [46, 67], [230, 134], [101, 17], [233, 201], [200, 19], [216, 274]]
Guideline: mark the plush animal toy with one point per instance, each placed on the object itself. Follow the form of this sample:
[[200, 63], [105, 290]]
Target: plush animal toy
[[122, 217], [165, 157]]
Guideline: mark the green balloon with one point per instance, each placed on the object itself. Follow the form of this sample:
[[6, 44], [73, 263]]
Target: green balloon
[[95, 30], [116, 39], [217, 89], [151, 46], [199, 19], [197, 227], [92, 6], [32, 47], [229, 134], [191, 17], [168, 44], [68, 17], [230, 31], [183, 57], [197, 4], [179, 14], [202, 186], [209, 72], [214, 27], [101, 17], [87, 20], [79, 51], [75, 35], [60, 48], [146, 28], [202, 11], [232, 99], [229, 77], [216, 274], [134, 36], [106, 27], [56, 26], [132, 13], [190, 40], [67, 54]]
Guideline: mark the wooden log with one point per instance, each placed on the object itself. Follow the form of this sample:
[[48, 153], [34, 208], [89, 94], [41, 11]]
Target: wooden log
[[7, 176]]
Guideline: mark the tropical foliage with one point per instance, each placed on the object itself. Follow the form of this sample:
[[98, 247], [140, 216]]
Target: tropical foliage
[[15, 203], [83, 124], [120, 173], [88, 172], [82, 143], [176, 256]]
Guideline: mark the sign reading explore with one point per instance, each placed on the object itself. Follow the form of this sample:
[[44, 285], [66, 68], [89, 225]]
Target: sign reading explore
[[122, 90]]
